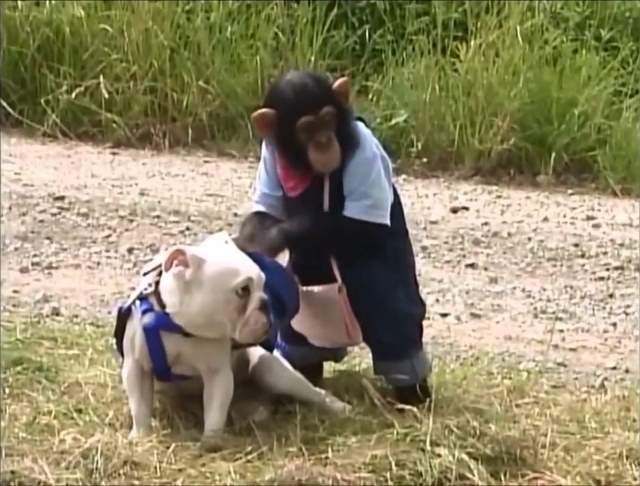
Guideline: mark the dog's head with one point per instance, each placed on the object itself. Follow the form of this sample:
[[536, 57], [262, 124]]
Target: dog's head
[[214, 290]]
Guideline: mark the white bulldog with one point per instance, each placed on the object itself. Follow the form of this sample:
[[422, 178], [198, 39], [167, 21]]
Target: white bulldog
[[214, 292]]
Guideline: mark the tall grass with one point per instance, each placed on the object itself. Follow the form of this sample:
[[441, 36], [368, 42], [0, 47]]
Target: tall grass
[[528, 87]]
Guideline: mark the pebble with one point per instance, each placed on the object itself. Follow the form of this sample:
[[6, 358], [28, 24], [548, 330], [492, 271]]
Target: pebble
[[611, 365], [54, 310], [24, 269], [528, 365], [50, 266], [458, 208], [83, 212], [41, 298], [600, 383]]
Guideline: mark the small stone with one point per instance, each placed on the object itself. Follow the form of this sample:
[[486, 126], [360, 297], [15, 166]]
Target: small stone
[[590, 217], [83, 212], [560, 362], [471, 264], [528, 365], [58, 197], [451, 319], [475, 315], [493, 279], [24, 269], [458, 208], [596, 225], [54, 309], [600, 383], [41, 298], [545, 219], [611, 365], [50, 266]]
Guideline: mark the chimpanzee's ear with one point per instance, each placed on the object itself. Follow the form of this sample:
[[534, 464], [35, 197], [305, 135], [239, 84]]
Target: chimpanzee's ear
[[264, 121], [342, 89]]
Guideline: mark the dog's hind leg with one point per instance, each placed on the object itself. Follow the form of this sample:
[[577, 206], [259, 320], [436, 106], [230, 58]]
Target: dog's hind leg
[[277, 376], [138, 385]]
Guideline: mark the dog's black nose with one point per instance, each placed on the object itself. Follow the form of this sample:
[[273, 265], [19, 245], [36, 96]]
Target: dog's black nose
[[264, 305]]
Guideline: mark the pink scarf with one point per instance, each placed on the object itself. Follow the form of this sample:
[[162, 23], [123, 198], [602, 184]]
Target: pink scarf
[[293, 181]]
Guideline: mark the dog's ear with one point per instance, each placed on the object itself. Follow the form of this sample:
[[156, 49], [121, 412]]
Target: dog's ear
[[176, 258], [179, 259]]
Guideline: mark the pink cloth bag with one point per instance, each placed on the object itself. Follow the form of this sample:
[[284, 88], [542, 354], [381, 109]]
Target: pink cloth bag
[[325, 317]]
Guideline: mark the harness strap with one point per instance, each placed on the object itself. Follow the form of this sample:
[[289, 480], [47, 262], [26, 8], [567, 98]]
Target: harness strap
[[152, 326]]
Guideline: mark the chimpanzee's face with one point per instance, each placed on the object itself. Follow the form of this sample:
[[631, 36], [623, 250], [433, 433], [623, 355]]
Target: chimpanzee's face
[[315, 132]]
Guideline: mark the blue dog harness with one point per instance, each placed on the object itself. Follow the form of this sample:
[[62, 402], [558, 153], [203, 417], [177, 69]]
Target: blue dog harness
[[157, 322], [283, 304]]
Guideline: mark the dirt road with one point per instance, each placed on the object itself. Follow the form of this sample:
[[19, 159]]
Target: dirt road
[[549, 279]]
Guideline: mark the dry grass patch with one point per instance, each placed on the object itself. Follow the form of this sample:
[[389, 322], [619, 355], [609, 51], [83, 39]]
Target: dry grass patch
[[64, 420]]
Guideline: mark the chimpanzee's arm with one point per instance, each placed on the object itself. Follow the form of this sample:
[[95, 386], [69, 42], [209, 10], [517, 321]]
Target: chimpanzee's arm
[[337, 234]]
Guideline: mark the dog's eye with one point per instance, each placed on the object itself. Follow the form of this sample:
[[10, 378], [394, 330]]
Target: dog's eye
[[244, 292]]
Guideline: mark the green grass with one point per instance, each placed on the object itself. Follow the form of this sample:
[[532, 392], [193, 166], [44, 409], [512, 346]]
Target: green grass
[[64, 420], [480, 87]]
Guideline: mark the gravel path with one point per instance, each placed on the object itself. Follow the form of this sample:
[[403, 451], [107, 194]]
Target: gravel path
[[550, 279]]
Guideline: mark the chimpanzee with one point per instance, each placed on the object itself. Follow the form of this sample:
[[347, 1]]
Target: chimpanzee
[[308, 130]]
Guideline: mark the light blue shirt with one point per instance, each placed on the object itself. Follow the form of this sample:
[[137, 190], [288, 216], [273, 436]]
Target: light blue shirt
[[367, 181]]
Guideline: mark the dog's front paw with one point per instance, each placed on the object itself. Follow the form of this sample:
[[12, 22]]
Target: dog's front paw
[[212, 441], [337, 406]]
